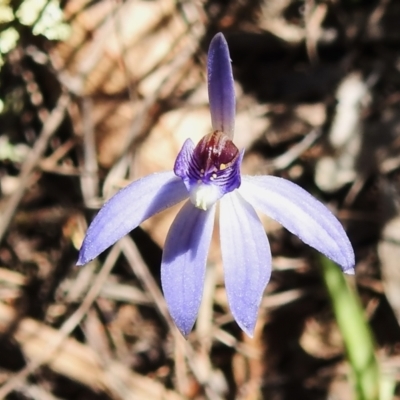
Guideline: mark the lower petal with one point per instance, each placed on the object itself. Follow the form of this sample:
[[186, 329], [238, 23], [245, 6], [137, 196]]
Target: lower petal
[[184, 263], [301, 214], [129, 208], [246, 257]]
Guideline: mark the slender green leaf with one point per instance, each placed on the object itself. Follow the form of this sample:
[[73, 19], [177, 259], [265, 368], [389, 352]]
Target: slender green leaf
[[355, 330]]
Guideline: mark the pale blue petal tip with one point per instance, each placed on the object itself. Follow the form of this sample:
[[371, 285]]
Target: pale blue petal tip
[[349, 271], [83, 257], [184, 326], [80, 261], [247, 327]]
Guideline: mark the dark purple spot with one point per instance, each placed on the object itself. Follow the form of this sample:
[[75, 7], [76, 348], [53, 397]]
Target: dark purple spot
[[215, 152]]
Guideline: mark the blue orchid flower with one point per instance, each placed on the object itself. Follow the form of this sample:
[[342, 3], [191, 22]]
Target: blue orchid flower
[[206, 174]]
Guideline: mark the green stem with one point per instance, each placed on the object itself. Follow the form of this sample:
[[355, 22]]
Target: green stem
[[356, 332]]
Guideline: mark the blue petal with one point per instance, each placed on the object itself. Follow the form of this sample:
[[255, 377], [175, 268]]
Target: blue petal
[[301, 214], [129, 208], [246, 257], [221, 90], [183, 162], [184, 262]]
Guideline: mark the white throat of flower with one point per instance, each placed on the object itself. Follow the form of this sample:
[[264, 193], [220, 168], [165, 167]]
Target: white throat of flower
[[204, 196]]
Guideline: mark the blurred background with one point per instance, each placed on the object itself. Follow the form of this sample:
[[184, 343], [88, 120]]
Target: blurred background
[[95, 94]]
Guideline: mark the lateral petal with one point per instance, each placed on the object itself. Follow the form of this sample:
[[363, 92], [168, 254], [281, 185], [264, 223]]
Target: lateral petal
[[221, 89], [184, 263], [246, 256], [301, 214], [129, 208]]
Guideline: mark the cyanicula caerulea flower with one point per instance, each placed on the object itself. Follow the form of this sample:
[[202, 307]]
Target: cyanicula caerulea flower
[[206, 174]]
